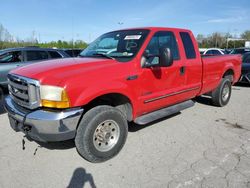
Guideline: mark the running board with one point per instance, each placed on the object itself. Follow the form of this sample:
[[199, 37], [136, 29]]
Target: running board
[[147, 118]]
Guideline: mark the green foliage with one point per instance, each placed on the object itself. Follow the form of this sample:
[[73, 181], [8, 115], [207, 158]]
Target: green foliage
[[216, 39], [220, 40], [246, 35], [53, 44]]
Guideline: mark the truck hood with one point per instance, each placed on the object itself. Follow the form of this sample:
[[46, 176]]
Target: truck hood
[[51, 72]]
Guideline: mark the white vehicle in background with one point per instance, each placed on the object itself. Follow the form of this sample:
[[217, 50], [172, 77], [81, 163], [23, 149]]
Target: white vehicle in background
[[212, 51]]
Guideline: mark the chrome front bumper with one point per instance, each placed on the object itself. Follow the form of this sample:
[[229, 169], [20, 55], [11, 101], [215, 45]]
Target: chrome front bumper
[[43, 125]]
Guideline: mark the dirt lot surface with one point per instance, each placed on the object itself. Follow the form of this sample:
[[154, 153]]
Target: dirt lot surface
[[203, 146]]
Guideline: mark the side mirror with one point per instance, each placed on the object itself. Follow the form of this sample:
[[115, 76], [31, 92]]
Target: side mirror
[[166, 57], [149, 60]]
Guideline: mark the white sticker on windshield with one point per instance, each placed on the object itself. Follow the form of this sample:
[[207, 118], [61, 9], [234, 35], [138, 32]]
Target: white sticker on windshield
[[132, 37]]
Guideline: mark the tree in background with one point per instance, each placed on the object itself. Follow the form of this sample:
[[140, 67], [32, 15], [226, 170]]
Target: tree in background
[[246, 35], [220, 40], [8, 41], [216, 39]]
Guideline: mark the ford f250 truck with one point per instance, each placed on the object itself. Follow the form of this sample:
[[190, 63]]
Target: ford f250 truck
[[139, 75]]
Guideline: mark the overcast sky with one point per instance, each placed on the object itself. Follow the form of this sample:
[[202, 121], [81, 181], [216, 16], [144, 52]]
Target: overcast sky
[[87, 19]]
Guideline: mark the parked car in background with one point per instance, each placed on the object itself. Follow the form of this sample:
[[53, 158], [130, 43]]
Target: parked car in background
[[245, 71], [15, 57], [228, 50], [240, 50], [73, 52], [212, 51]]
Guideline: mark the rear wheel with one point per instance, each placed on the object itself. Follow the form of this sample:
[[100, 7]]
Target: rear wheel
[[222, 94], [101, 134]]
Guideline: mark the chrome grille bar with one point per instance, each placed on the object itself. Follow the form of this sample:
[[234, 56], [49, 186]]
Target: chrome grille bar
[[24, 91], [18, 86]]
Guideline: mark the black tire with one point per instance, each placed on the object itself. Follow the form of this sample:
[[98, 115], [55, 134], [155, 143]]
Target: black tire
[[88, 138], [220, 97]]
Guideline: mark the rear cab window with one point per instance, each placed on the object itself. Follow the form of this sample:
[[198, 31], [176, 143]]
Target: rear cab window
[[188, 45]]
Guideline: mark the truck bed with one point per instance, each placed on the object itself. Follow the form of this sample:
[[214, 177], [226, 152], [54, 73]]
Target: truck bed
[[215, 66]]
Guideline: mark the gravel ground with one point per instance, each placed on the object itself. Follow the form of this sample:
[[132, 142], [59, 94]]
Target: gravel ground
[[203, 146]]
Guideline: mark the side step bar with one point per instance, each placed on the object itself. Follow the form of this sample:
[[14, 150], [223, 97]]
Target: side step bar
[[147, 118]]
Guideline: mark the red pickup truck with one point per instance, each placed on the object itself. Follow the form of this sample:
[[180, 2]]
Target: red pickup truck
[[139, 75]]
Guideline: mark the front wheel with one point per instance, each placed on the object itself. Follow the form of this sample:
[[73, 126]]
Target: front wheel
[[101, 133], [222, 94]]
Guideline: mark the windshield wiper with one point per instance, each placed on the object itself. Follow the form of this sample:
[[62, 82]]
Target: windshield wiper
[[103, 55]]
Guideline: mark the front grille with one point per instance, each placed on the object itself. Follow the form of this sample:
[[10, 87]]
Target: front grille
[[24, 91]]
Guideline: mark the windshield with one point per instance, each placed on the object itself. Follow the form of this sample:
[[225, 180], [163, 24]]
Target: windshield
[[121, 45]]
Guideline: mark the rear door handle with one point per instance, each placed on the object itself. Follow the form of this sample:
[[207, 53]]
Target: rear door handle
[[182, 70]]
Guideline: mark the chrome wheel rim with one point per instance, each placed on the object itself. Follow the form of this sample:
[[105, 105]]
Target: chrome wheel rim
[[225, 92], [106, 135]]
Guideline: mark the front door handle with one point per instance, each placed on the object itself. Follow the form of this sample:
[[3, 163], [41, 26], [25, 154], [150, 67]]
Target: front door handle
[[182, 70]]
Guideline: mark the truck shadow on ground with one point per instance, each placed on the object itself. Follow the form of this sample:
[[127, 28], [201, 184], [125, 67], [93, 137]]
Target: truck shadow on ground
[[133, 127], [80, 177], [63, 145], [2, 110], [204, 100], [242, 85], [69, 144]]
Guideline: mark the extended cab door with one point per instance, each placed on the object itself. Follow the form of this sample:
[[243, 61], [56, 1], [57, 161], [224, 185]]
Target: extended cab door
[[161, 86], [193, 65]]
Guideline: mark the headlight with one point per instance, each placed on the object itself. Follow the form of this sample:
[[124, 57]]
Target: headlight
[[54, 97]]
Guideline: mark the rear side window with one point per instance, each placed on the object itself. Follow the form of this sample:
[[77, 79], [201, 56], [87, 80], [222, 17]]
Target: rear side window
[[188, 45], [216, 52], [54, 54], [209, 52], [36, 55]]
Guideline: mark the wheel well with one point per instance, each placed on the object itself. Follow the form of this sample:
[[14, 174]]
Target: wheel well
[[117, 100], [229, 74]]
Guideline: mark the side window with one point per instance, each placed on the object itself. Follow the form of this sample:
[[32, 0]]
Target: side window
[[209, 52], [188, 45], [36, 55], [54, 54], [162, 39], [11, 57], [216, 52]]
